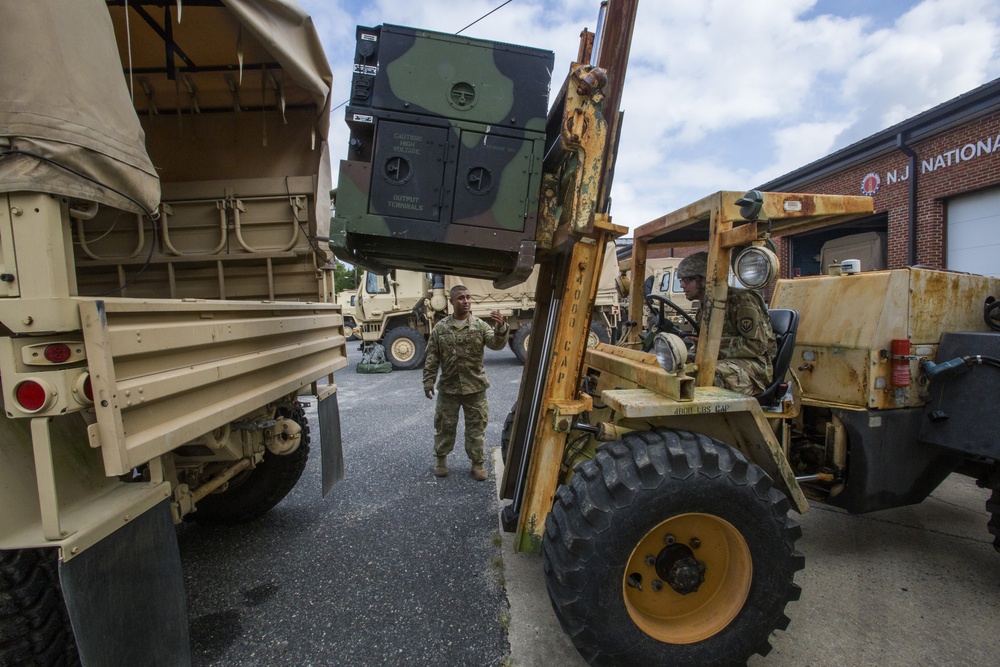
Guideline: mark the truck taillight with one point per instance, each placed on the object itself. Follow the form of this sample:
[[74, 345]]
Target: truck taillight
[[31, 396], [57, 353], [83, 392], [900, 364]]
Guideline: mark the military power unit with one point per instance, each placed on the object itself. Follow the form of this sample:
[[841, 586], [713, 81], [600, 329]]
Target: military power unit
[[160, 324]]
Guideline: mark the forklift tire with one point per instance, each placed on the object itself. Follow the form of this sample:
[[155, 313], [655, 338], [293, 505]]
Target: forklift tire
[[34, 623], [254, 492], [598, 334], [404, 348], [521, 341], [670, 548]]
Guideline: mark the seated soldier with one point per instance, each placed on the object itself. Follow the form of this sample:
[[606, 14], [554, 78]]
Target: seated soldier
[[747, 349]]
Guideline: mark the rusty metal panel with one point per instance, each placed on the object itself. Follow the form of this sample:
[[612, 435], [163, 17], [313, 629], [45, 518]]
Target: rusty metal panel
[[847, 325], [166, 372], [942, 301]]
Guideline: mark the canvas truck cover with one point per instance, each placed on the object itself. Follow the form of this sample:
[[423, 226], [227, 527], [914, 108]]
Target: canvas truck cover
[[72, 69]]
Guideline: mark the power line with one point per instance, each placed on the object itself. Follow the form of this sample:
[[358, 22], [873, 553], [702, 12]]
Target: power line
[[484, 16]]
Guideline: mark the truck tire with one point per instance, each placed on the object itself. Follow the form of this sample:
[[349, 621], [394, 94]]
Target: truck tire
[[350, 329], [598, 334], [521, 341], [34, 624], [670, 548], [993, 507], [404, 348], [256, 491]]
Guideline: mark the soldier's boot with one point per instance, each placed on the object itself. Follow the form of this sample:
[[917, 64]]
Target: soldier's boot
[[479, 472], [441, 467]]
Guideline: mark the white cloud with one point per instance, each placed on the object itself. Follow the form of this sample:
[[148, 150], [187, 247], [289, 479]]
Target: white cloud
[[724, 94]]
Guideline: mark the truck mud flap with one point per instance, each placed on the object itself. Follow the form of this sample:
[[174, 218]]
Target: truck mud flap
[[125, 596], [331, 445]]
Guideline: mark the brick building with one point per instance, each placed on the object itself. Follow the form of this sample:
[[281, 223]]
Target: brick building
[[935, 180]]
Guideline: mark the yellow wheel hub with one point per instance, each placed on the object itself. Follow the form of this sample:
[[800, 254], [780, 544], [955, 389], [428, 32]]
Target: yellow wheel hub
[[688, 578], [403, 349]]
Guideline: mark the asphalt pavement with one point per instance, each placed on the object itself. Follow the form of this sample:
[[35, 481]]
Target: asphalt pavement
[[397, 567]]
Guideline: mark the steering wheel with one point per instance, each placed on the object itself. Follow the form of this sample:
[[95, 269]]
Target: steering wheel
[[658, 305]]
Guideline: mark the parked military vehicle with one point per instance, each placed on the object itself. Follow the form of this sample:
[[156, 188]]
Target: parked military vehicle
[[399, 309], [158, 323], [659, 502]]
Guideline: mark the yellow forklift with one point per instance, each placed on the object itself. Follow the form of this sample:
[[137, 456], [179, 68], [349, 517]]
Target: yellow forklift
[[658, 501]]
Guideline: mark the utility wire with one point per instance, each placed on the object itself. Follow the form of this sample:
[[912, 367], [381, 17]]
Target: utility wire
[[484, 16]]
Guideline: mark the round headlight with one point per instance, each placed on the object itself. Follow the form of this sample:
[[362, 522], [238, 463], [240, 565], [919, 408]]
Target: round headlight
[[756, 267], [671, 352]]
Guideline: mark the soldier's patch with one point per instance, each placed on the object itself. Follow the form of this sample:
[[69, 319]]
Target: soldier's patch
[[746, 320]]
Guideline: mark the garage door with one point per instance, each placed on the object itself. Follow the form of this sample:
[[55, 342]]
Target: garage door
[[974, 233]]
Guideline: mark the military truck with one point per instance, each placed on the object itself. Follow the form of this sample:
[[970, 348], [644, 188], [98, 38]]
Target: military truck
[[158, 322], [659, 502], [399, 309]]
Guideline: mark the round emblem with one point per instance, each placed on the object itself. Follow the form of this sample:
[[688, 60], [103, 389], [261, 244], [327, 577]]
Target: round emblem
[[870, 184]]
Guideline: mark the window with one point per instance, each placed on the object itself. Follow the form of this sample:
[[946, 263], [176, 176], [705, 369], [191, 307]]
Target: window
[[375, 284]]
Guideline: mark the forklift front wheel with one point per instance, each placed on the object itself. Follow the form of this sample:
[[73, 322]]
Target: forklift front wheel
[[670, 547]]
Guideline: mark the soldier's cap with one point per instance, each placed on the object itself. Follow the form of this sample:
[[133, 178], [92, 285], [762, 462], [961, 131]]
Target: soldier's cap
[[693, 265]]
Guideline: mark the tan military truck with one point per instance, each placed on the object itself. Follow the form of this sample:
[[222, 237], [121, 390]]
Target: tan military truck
[[399, 309], [164, 298]]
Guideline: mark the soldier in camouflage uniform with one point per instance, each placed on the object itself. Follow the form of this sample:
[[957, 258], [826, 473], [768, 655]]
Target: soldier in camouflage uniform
[[748, 347], [456, 347]]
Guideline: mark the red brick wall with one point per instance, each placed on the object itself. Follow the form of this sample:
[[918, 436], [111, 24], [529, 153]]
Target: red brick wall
[[974, 164]]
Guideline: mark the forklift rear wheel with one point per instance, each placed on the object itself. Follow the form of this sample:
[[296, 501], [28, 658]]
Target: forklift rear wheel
[[681, 544], [254, 492], [404, 348]]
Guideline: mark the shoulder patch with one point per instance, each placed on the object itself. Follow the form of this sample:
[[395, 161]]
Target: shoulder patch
[[746, 320]]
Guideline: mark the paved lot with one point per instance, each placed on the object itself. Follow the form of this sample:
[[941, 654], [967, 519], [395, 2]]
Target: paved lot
[[396, 567]]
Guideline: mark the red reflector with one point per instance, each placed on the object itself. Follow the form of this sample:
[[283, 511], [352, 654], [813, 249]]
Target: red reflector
[[30, 396], [900, 367], [58, 353], [88, 390]]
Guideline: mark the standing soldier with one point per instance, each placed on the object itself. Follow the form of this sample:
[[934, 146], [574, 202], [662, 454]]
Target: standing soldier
[[456, 347], [747, 349]]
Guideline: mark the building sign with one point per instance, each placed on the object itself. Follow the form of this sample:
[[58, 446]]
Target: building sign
[[967, 152], [870, 184], [950, 158]]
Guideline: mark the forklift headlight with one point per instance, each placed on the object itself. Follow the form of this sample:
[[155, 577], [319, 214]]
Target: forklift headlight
[[756, 267], [671, 353]]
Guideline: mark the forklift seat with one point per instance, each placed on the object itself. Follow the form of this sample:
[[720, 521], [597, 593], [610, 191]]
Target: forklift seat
[[785, 323]]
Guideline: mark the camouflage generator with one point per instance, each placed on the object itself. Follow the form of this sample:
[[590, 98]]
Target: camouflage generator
[[446, 148]]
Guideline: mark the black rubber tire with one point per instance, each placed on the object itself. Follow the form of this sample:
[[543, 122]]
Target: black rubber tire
[[252, 494], [632, 486], [600, 332], [348, 322], [34, 624], [521, 342], [506, 434], [412, 340], [993, 507]]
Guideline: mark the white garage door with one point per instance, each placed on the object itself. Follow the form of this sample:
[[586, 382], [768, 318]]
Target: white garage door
[[974, 233]]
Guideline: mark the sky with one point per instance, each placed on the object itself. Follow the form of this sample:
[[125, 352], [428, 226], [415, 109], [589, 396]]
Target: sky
[[721, 94]]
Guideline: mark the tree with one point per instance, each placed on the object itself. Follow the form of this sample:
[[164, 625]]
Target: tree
[[345, 276]]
